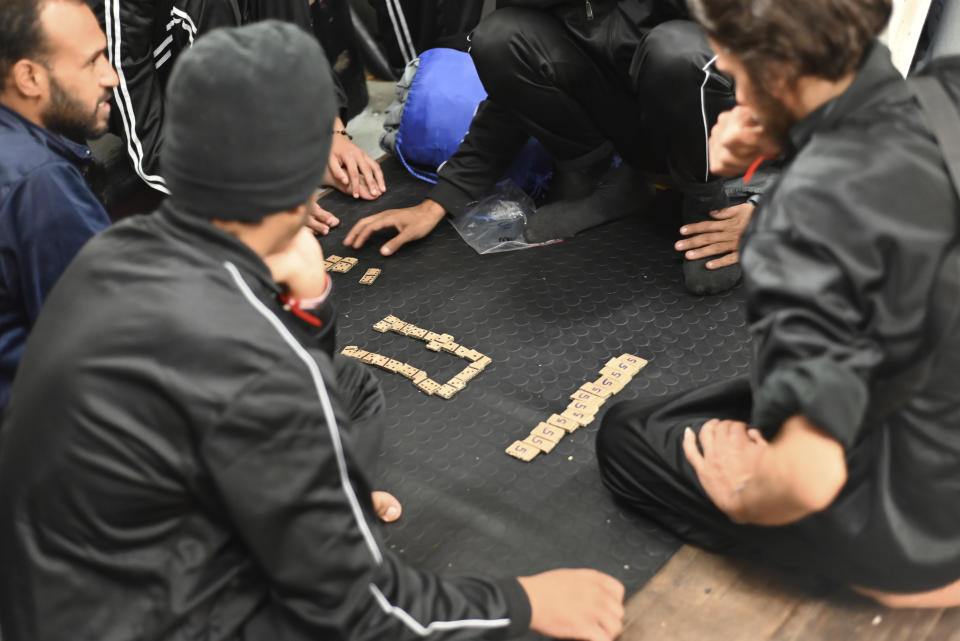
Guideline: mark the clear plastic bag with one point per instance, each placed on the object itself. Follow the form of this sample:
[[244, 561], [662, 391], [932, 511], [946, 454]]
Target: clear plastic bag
[[496, 223]]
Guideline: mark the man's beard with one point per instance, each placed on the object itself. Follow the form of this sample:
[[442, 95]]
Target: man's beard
[[67, 116], [774, 116]]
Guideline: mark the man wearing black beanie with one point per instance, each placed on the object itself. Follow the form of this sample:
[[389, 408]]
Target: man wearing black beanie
[[205, 468]]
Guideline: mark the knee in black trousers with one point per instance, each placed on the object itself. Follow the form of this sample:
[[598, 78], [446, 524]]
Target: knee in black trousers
[[681, 98], [501, 46], [533, 66], [642, 462], [359, 407]]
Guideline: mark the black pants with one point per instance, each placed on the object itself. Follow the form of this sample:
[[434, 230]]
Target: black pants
[[641, 458], [575, 90]]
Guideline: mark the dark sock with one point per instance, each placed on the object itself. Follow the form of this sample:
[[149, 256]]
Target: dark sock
[[620, 191], [578, 181]]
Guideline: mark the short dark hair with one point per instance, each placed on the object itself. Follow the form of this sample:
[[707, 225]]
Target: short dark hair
[[21, 33], [825, 38]]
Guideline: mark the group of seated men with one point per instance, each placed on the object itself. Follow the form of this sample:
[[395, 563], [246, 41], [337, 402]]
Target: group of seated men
[[182, 455]]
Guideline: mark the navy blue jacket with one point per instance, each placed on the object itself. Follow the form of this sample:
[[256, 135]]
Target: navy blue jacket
[[47, 213]]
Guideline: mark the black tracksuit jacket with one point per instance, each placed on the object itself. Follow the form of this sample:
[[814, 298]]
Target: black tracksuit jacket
[[852, 272], [177, 461], [144, 38]]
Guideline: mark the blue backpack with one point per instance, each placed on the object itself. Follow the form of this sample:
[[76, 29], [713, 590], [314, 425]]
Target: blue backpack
[[436, 114]]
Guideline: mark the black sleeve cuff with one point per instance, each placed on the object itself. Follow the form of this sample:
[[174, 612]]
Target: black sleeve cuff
[[829, 394], [518, 605], [451, 198]]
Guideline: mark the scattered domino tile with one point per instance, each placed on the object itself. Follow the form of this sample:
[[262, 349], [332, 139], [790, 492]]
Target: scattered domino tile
[[333, 259], [583, 407], [523, 451], [350, 259], [340, 268], [370, 276]]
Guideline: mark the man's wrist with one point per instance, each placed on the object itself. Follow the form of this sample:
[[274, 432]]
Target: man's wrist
[[433, 209], [305, 295], [316, 301]]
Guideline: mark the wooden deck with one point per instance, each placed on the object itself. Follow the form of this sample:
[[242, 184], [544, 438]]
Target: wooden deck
[[699, 596]]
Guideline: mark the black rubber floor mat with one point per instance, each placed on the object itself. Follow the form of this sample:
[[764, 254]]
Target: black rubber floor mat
[[549, 318]]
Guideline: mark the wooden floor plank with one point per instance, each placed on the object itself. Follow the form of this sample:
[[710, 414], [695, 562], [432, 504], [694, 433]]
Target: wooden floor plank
[[698, 596]]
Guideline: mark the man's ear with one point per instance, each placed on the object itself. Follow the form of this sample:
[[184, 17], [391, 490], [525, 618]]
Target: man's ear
[[29, 78]]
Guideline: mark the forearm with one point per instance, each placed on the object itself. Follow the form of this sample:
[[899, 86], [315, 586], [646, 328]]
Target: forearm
[[453, 607], [800, 474]]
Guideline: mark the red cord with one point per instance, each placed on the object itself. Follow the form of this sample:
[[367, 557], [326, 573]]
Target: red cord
[[747, 177], [294, 306]]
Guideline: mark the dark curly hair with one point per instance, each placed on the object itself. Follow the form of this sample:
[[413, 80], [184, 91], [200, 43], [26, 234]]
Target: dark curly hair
[[825, 38]]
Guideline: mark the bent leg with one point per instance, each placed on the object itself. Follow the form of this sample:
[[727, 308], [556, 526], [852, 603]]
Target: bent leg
[[640, 453], [359, 407], [531, 65], [682, 98]]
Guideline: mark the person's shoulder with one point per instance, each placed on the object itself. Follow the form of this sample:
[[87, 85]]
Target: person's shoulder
[[23, 156], [887, 167]]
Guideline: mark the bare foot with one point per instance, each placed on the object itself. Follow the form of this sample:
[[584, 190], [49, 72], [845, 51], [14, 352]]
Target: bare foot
[[386, 506]]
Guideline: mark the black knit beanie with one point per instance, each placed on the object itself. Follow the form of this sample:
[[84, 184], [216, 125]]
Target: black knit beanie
[[249, 121]]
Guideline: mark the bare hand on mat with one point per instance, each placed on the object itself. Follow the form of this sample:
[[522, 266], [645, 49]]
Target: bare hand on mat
[[321, 220], [716, 237], [412, 223], [351, 170]]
